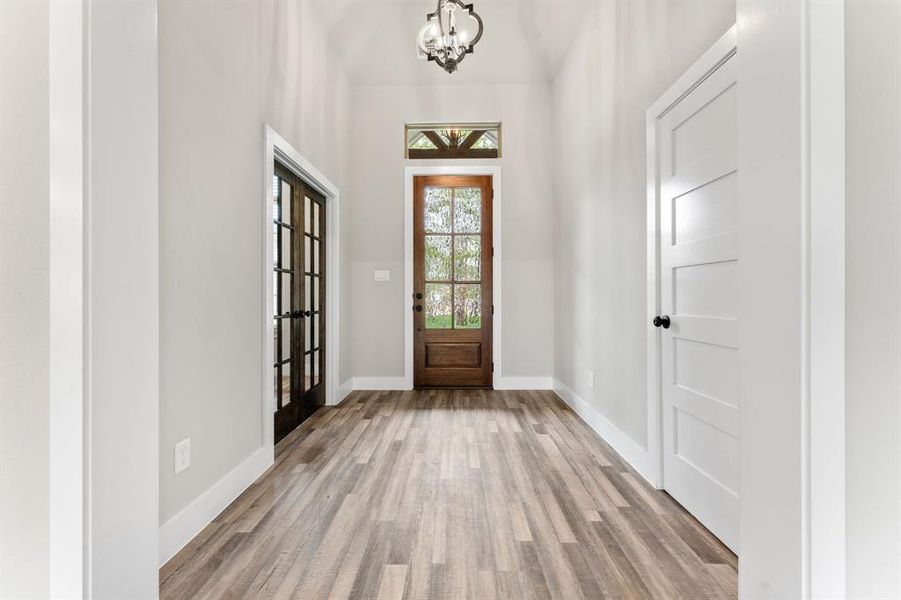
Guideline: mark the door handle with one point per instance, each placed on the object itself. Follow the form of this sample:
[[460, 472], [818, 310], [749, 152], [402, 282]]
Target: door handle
[[418, 308], [419, 295], [297, 314], [307, 313], [663, 321]]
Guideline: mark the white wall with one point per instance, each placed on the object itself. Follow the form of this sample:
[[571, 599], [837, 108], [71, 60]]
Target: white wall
[[873, 296], [225, 69], [24, 301], [626, 55], [376, 214], [122, 298]]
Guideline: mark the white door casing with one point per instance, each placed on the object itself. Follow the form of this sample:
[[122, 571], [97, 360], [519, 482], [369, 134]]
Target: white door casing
[[697, 237]]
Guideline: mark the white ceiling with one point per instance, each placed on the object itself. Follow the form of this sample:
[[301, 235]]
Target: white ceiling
[[524, 41]]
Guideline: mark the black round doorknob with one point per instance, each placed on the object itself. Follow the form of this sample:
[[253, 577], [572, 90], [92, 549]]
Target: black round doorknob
[[297, 314], [663, 321], [418, 308], [307, 313], [419, 295]]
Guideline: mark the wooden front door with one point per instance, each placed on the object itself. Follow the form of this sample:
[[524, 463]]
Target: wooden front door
[[452, 275], [298, 300]]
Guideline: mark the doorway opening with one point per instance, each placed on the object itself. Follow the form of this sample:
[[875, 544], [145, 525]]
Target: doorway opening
[[298, 302]]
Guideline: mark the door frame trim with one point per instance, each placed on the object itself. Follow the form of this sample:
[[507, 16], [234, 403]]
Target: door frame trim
[[494, 171], [724, 49], [277, 147]]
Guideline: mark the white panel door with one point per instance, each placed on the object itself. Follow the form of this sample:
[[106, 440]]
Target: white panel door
[[699, 293]]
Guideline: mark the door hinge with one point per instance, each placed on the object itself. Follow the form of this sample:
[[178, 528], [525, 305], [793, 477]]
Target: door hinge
[[492, 366], [492, 309]]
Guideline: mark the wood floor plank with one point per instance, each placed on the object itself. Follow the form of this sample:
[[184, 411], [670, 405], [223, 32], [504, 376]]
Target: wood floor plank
[[451, 494]]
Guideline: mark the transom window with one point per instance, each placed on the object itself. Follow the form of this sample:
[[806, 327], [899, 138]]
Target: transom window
[[453, 140]]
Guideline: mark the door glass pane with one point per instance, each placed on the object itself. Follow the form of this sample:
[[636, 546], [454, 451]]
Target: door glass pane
[[275, 253], [307, 226], [468, 306], [437, 210], [306, 372], [316, 219], [316, 330], [467, 210], [286, 202], [275, 324], [286, 339], [317, 245], [286, 248], [276, 380], [438, 305], [275, 199], [308, 291], [467, 258], [286, 384], [308, 256], [275, 310], [438, 257], [286, 292], [314, 360], [308, 336]]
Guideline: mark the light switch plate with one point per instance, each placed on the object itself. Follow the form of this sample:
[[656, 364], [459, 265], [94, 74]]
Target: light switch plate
[[182, 455], [382, 275]]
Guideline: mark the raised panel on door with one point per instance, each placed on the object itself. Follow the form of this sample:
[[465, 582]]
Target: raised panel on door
[[452, 276], [699, 291]]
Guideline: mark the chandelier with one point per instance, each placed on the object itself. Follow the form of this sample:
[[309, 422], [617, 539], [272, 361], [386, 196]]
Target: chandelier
[[446, 40]]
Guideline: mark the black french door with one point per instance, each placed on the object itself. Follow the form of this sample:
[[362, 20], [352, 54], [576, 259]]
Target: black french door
[[298, 272]]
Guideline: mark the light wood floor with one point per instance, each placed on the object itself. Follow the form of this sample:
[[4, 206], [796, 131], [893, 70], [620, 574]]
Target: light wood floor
[[450, 494]]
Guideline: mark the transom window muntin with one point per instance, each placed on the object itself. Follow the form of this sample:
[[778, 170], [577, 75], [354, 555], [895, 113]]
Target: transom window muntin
[[452, 140]]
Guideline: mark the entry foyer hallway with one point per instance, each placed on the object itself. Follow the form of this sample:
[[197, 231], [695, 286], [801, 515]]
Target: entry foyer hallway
[[451, 494]]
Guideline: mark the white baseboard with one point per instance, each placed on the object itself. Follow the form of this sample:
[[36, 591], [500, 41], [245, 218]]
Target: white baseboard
[[524, 383], [630, 450], [381, 383], [183, 527]]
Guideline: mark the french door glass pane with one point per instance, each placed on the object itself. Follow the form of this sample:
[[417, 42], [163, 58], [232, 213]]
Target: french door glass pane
[[275, 325], [467, 258], [286, 203], [308, 292], [467, 306], [286, 339], [316, 219], [307, 367], [437, 210], [438, 306], [275, 310], [286, 384], [307, 219], [275, 199], [286, 292], [467, 210], [315, 369], [308, 338], [286, 248], [316, 249], [308, 256], [275, 248], [438, 257]]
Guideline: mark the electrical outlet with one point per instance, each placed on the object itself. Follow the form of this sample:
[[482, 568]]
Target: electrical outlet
[[590, 378], [182, 455]]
